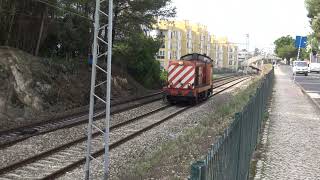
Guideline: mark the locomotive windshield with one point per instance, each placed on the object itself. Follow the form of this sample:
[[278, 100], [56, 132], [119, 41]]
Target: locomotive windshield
[[195, 56]]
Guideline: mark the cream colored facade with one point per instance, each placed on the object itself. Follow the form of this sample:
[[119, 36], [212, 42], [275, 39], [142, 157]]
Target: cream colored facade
[[182, 37]]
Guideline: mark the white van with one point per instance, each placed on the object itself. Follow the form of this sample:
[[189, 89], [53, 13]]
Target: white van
[[314, 67], [300, 67]]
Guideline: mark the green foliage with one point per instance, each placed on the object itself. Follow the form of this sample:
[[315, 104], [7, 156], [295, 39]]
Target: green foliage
[[131, 17], [285, 47], [313, 7], [137, 55], [189, 145], [257, 52], [67, 38], [164, 75], [313, 42], [64, 29]]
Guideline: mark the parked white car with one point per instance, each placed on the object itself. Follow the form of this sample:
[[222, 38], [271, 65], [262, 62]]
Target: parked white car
[[300, 67], [314, 67]]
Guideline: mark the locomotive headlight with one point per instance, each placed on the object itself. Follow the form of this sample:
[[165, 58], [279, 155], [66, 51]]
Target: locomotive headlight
[[180, 63]]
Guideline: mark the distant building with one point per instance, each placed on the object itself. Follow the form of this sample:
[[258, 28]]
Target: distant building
[[225, 53], [242, 56], [183, 37]]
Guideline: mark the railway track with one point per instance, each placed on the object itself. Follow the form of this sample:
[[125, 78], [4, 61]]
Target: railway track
[[13, 136], [57, 161], [16, 135], [224, 78]]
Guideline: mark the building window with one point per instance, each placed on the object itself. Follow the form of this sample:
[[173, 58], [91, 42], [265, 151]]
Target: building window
[[189, 44], [169, 34], [230, 62], [202, 37], [189, 34], [161, 34], [161, 54]]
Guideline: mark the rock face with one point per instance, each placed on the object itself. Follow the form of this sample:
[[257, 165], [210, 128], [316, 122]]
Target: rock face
[[18, 95], [30, 85]]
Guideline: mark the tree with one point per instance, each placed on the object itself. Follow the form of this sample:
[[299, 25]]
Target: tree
[[256, 52], [131, 16], [285, 47], [64, 29], [137, 56], [22, 23], [313, 8]]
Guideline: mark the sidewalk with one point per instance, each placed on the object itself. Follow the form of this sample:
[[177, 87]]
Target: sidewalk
[[292, 150]]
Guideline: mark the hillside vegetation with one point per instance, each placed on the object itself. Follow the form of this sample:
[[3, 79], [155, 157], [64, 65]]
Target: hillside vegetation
[[31, 86], [64, 30]]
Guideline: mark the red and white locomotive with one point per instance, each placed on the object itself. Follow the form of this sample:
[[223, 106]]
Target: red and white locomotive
[[189, 79]]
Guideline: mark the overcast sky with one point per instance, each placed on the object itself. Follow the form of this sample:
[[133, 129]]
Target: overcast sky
[[263, 20]]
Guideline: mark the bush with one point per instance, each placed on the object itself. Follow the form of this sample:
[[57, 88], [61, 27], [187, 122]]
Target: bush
[[137, 56], [163, 77]]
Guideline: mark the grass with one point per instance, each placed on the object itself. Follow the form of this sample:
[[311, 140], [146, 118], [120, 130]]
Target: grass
[[258, 153], [193, 143]]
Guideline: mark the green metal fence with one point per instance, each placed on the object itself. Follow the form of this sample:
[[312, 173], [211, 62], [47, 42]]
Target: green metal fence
[[229, 158]]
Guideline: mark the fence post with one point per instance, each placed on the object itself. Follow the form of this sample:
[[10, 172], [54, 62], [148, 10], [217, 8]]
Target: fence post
[[198, 171], [238, 117], [229, 157]]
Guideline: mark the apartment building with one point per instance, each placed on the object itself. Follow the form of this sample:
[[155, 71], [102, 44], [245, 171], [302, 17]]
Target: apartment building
[[183, 37], [242, 56]]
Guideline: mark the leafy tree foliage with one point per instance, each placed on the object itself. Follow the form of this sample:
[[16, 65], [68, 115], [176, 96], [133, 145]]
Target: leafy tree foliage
[[137, 55], [285, 48], [256, 52], [313, 42], [313, 7], [64, 29], [31, 25]]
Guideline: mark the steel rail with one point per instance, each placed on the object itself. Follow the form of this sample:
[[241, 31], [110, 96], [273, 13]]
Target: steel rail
[[79, 140], [113, 145], [131, 136], [23, 133]]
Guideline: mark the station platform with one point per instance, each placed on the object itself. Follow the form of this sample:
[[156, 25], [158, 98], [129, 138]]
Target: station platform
[[292, 143]]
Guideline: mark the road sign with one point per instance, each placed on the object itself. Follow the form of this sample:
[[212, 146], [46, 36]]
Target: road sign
[[301, 42]]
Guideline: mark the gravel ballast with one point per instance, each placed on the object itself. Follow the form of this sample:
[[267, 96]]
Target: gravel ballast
[[41, 143], [124, 156]]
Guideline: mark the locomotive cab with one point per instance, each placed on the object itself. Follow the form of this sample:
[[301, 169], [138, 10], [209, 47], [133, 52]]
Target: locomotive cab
[[189, 79]]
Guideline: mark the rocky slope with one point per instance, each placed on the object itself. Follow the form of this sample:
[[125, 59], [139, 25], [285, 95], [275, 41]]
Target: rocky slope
[[31, 86]]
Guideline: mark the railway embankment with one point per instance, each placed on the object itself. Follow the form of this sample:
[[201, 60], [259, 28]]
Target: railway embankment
[[35, 89], [189, 136]]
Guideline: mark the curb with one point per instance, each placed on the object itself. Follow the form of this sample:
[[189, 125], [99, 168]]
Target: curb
[[310, 98]]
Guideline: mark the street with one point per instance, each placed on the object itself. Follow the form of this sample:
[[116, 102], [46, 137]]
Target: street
[[311, 84]]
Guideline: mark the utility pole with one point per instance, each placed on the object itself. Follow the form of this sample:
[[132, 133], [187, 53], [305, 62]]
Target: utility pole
[[105, 41], [236, 59], [247, 53]]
